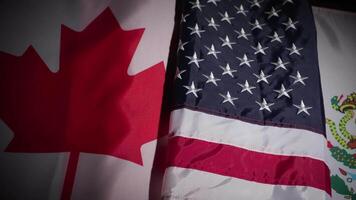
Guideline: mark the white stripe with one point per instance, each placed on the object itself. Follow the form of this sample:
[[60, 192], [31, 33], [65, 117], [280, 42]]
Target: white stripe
[[198, 185], [265, 139]]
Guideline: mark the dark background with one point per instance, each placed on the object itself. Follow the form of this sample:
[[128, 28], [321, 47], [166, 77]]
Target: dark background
[[346, 5]]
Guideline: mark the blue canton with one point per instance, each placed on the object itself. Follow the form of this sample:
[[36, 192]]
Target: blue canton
[[251, 60]]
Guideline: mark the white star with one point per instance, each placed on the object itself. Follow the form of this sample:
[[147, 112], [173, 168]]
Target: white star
[[298, 78], [226, 42], [259, 49], [196, 30], [212, 23], [283, 92], [194, 59], [272, 13], [212, 51], [184, 17], [264, 105], [255, 3], [257, 25], [241, 10], [228, 70], [226, 17], [280, 64], [192, 90], [179, 73], [214, 2], [197, 4], [228, 98], [211, 79], [181, 45], [262, 77], [244, 60], [294, 50], [288, 1], [290, 24], [276, 37], [242, 34], [246, 87], [302, 108]]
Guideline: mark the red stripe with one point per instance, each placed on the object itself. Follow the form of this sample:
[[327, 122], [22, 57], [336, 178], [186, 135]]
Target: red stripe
[[249, 165]]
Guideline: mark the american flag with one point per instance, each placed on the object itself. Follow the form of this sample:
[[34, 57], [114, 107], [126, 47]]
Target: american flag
[[248, 120]]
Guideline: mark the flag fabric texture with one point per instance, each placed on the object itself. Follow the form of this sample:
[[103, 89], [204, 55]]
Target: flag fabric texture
[[81, 87], [337, 46], [81, 84], [248, 119]]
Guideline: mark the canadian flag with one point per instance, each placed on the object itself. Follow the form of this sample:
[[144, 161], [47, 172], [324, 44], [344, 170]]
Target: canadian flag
[[81, 85]]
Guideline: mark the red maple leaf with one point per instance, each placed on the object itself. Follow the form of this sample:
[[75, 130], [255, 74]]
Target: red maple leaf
[[91, 104]]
